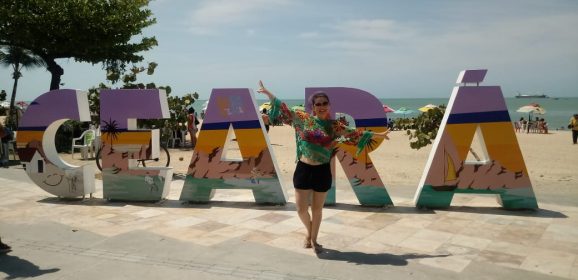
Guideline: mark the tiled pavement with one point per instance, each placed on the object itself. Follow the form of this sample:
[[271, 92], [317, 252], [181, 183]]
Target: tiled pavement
[[232, 238]]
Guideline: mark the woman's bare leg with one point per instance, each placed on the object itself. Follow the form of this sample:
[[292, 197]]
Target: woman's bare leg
[[317, 214], [302, 204]]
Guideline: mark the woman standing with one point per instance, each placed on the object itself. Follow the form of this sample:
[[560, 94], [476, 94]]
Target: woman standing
[[316, 137], [192, 123]]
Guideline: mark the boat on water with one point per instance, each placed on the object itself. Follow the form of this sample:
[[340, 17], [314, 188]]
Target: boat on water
[[531, 95]]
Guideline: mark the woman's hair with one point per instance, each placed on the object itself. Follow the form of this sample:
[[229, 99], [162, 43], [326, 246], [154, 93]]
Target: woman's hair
[[316, 95], [191, 110]]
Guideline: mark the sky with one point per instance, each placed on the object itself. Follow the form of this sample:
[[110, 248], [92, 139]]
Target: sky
[[392, 49]]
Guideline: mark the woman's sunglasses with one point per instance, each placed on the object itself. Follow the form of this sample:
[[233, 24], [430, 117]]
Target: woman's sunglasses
[[321, 104]]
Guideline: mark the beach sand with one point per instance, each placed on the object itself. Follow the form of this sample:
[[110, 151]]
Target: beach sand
[[550, 160]]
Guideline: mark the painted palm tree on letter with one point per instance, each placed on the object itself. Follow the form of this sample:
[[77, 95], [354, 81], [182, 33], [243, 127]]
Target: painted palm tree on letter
[[111, 128]]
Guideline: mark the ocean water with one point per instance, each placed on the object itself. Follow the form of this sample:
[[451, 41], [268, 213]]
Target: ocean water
[[558, 110]]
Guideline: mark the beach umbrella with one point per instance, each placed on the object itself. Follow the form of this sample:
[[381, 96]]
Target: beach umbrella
[[532, 108], [403, 110], [266, 105], [427, 107], [22, 104], [387, 109]]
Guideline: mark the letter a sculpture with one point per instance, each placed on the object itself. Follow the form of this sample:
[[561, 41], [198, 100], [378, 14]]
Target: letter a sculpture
[[476, 109]]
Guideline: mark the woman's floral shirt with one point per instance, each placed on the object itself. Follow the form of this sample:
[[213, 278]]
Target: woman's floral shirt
[[316, 138]]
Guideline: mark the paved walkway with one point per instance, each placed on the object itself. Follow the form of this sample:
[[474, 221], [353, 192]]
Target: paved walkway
[[232, 238]]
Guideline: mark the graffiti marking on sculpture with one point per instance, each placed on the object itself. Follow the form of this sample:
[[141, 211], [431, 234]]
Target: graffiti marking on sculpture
[[36, 148]]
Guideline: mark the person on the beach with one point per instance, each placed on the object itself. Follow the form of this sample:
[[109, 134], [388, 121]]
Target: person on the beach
[[574, 126], [192, 123], [316, 135], [6, 135], [543, 126], [265, 118], [519, 125]]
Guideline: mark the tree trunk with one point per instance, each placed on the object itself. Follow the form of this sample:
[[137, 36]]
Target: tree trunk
[[13, 115], [56, 72]]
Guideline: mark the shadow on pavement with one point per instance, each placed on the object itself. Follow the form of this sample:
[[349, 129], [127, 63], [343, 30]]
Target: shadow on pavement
[[372, 259], [290, 206], [16, 267], [167, 203], [538, 213]]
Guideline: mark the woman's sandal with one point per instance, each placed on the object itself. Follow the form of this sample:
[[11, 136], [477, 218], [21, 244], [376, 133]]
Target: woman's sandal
[[318, 248]]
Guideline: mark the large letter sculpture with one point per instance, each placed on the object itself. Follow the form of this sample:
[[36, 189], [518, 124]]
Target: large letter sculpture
[[257, 171], [36, 148], [123, 145], [470, 109], [367, 112]]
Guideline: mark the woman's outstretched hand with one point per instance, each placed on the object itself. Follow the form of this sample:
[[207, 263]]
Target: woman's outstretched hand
[[382, 134], [263, 90]]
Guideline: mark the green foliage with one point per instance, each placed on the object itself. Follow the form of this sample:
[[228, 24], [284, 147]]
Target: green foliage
[[17, 58], [426, 127], [403, 123], [92, 31]]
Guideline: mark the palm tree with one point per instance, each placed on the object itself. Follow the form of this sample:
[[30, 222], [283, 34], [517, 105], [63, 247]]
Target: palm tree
[[18, 58]]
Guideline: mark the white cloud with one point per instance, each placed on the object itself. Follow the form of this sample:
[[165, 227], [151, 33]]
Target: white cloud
[[353, 45], [361, 35], [519, 40], [158, 3], [372, 29], [501, 40], [212, 15]]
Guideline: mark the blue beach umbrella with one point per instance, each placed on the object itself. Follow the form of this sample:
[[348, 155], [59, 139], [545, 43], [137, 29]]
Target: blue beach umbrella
[[403, 111]]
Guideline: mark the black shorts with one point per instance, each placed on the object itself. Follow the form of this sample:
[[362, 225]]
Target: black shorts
[[312, 177]]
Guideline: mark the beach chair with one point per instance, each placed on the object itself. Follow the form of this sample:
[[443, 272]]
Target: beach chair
[[173, 137], [84, 143]]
